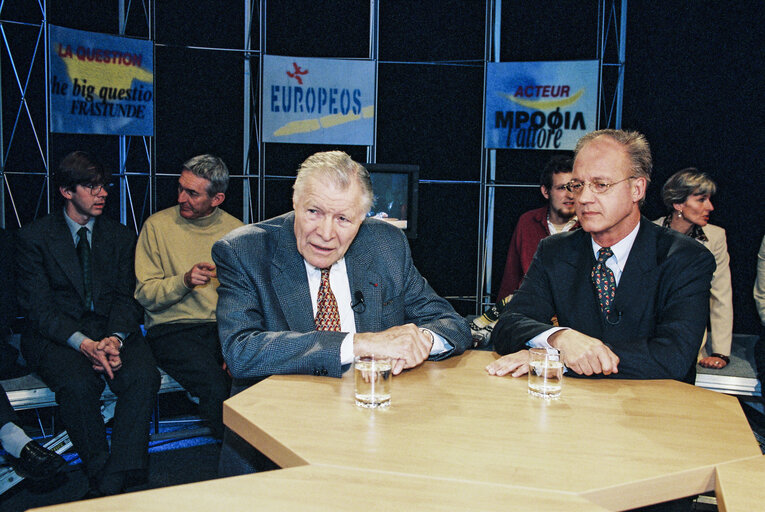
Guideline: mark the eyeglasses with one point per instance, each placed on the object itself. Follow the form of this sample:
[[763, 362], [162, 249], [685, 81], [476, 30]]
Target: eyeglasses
[[96, 188], [576, 187]]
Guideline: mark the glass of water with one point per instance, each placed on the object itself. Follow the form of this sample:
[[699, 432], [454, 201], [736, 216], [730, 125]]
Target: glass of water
[[545, 372], [373, 375]]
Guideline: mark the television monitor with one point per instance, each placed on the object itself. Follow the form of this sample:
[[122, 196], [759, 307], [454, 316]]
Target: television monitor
[[395, 190]]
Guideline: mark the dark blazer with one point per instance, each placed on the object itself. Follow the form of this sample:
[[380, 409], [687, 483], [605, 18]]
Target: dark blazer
[[265, 317], [51, 291], [661, 305]]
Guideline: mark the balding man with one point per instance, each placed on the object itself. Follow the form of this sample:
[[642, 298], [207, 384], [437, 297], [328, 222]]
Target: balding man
[[631, 299]]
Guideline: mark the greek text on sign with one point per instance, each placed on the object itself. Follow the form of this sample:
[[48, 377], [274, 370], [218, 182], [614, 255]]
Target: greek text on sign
[[540, 105]]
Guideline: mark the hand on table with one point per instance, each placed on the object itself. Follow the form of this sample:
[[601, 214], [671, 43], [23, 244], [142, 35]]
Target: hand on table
[[716, 363], [517, 363], [200, 274], [584, 354], [406, 345]]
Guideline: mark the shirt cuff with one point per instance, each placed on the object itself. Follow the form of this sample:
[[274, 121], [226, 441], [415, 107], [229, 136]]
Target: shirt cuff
[[75, 340], [346, 350], [540, 340]]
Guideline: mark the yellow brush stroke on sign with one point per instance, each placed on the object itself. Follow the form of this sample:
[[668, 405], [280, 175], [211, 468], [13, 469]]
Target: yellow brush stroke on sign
[[311, 125], [102, 74], [545, 104], [336, 119], [307, 125]]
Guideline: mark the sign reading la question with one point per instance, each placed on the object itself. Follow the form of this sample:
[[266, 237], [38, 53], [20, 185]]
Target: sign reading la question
[[540, 105], [100, 84]]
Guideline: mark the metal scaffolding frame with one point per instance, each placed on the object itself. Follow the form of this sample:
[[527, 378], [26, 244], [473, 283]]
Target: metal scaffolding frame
[[609, 50]]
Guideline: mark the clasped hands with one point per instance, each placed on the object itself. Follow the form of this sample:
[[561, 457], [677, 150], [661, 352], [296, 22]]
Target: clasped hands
[[581, 354], [407, 345], [104, 355]]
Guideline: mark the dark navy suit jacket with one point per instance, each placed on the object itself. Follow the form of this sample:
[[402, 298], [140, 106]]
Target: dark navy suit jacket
[[661, 305], [51, 289]]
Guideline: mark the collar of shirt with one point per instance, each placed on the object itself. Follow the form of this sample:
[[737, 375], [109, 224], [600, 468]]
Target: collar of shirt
[[74, 228], [566, 227], [341, 289], [621, 250]]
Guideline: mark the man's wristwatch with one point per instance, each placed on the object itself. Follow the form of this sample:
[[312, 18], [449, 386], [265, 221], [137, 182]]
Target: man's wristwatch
[[432, 337]]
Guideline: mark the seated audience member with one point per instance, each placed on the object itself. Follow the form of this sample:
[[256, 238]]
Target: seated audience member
[[29, 459], [557, 217], [686, 194], [177, 285], [759, 300], [630, 298], [76, 282], [305, 292]]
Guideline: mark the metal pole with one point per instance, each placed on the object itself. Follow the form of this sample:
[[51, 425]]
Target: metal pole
[[261, 145], [622, 58], [246, 199], [374, 53]]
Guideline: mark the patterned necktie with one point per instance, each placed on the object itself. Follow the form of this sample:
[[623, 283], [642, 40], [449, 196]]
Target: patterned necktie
[[83, 252], [327, 314], [604, 281]]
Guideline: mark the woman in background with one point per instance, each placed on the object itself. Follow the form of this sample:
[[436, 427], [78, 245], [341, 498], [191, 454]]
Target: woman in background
[[686, 194]]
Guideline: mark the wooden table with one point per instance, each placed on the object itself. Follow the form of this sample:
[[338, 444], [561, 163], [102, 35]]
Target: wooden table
[[741, 485], [618, 443], [321, 488]]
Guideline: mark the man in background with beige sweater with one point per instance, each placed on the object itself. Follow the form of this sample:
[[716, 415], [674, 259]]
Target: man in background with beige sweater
[[177, 284]]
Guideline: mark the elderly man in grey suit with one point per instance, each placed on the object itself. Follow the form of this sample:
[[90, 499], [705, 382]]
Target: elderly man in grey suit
[[305, 292]]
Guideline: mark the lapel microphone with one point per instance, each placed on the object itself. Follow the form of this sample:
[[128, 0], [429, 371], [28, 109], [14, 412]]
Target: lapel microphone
[[359, 306], [617, 314]]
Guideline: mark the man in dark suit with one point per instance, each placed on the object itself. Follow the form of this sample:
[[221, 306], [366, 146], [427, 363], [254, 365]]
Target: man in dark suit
[[272, 274], [82, 330], [628, 298]]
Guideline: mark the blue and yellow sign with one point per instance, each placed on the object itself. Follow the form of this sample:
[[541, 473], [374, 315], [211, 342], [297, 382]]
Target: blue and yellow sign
[[540, 105], [100, 84], [318, 101]]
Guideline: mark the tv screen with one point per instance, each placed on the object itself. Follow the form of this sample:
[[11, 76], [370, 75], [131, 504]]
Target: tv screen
[[395, 190]]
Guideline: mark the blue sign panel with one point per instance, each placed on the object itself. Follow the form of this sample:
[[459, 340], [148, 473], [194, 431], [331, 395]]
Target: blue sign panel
[[540, 105], [318, 101], [100, 83]]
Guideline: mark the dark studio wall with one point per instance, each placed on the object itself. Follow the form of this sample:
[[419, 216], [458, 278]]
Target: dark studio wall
[[692, 85]]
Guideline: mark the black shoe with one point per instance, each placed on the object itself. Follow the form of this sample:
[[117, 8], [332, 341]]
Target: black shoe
[[37, 462]]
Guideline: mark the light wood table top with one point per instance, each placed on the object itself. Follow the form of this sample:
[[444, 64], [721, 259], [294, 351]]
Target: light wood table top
[[741, 485], [320, 488], [619, 443]]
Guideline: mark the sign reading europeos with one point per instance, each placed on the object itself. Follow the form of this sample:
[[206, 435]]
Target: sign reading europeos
[[318, 101], [100, 83], [540, 105]]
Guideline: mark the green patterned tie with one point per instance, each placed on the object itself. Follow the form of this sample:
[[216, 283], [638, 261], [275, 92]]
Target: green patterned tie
[[83, 251]]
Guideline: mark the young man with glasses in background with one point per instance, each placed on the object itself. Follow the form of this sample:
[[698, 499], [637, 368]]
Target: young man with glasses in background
[[75, 278]]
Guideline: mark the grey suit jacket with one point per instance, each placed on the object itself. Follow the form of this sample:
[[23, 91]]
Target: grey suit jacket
[[661, 304], [51, 290], [265, 316]]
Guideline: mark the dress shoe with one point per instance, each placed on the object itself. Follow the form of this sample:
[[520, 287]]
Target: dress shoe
[[37, 462]]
